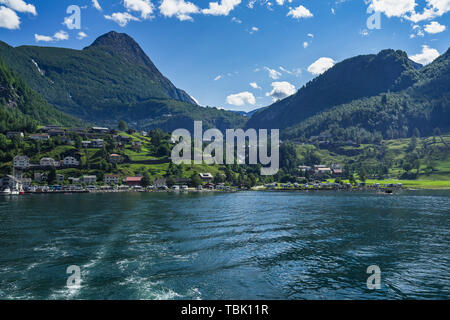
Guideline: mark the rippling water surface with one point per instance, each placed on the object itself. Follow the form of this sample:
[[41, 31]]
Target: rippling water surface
[[249, 245]]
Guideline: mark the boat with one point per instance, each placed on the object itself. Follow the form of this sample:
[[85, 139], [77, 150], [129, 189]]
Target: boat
[[14, 192], [5, 192]]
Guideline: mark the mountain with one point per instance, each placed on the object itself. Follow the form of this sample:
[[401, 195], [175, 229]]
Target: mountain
[[424, 106], [354, 78], [23, 109], [110, 80]]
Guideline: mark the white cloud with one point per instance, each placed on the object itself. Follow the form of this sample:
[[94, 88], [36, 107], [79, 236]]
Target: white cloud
[[274, 74], [20, 6], [241, 99], [281, 90], [305, 44], [58, 36], [254, 85], [178, 8], [321, 65], [121, 18], [96, 5], [435, 27], [222, 9], [433, 9], [218, 77], [300, 12], [393, 8], [38, 37], [407, 9], [280, 2], [427, 55], [145, 7], [234, 19], [61, 35], [81, 35], [9, 19], [310, 35]]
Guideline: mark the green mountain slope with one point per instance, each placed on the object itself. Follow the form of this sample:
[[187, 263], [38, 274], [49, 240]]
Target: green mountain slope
[[111, 80], [354, 78], [21, 108], [425, 106]]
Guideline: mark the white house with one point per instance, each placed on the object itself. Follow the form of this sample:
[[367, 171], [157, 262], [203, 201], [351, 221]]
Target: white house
[[97, 143], [39, 137], [21, 162], [89, 179], [60, 178], [11, 134], [112, 179], [86, 144], [206, 176], [40, 177], [71, 162], [49, 162]]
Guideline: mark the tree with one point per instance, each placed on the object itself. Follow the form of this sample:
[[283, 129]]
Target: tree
[[51, 178], [146, 180], [123, 125], [195, 180]]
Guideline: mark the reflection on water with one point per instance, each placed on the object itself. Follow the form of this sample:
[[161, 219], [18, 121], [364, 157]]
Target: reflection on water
[[247, 245]]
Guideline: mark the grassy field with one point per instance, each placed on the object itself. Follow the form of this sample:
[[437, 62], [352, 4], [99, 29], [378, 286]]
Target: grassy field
[[434, 166]]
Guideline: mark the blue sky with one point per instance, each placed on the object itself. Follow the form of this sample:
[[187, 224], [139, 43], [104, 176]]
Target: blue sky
[[238, 54]]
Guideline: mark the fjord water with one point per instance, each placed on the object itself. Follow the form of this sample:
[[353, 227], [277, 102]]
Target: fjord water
[[249, 245]]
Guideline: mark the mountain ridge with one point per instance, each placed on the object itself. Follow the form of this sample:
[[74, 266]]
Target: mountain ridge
[[353, 78]]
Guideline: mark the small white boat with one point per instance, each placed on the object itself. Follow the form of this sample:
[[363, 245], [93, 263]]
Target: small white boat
[[5, 192], [15, 192]]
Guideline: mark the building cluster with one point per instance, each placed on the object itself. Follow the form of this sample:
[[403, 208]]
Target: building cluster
[[23, 163], [320, 171]]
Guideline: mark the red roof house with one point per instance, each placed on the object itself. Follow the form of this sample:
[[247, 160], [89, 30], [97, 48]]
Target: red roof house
[[133, 181]]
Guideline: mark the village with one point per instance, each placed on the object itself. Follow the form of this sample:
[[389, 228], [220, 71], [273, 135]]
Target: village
[[98, 159]]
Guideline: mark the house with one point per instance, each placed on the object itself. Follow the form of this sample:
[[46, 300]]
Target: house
[[77, 130], [21, 162], [144, 133], [39, 137], [40, 177], [86, 144], [337, 172], [49, 162], [112, 179], [115, 158], [206, 176], [56, 132], [304, 168], [100, 130], [126, 139], [209, 186], [71, 162], [89, 179], [51, 127], [133, 181], [97, 143], [73, 180], [160, 183], [11, 135], [60, 178], [322, 171]]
